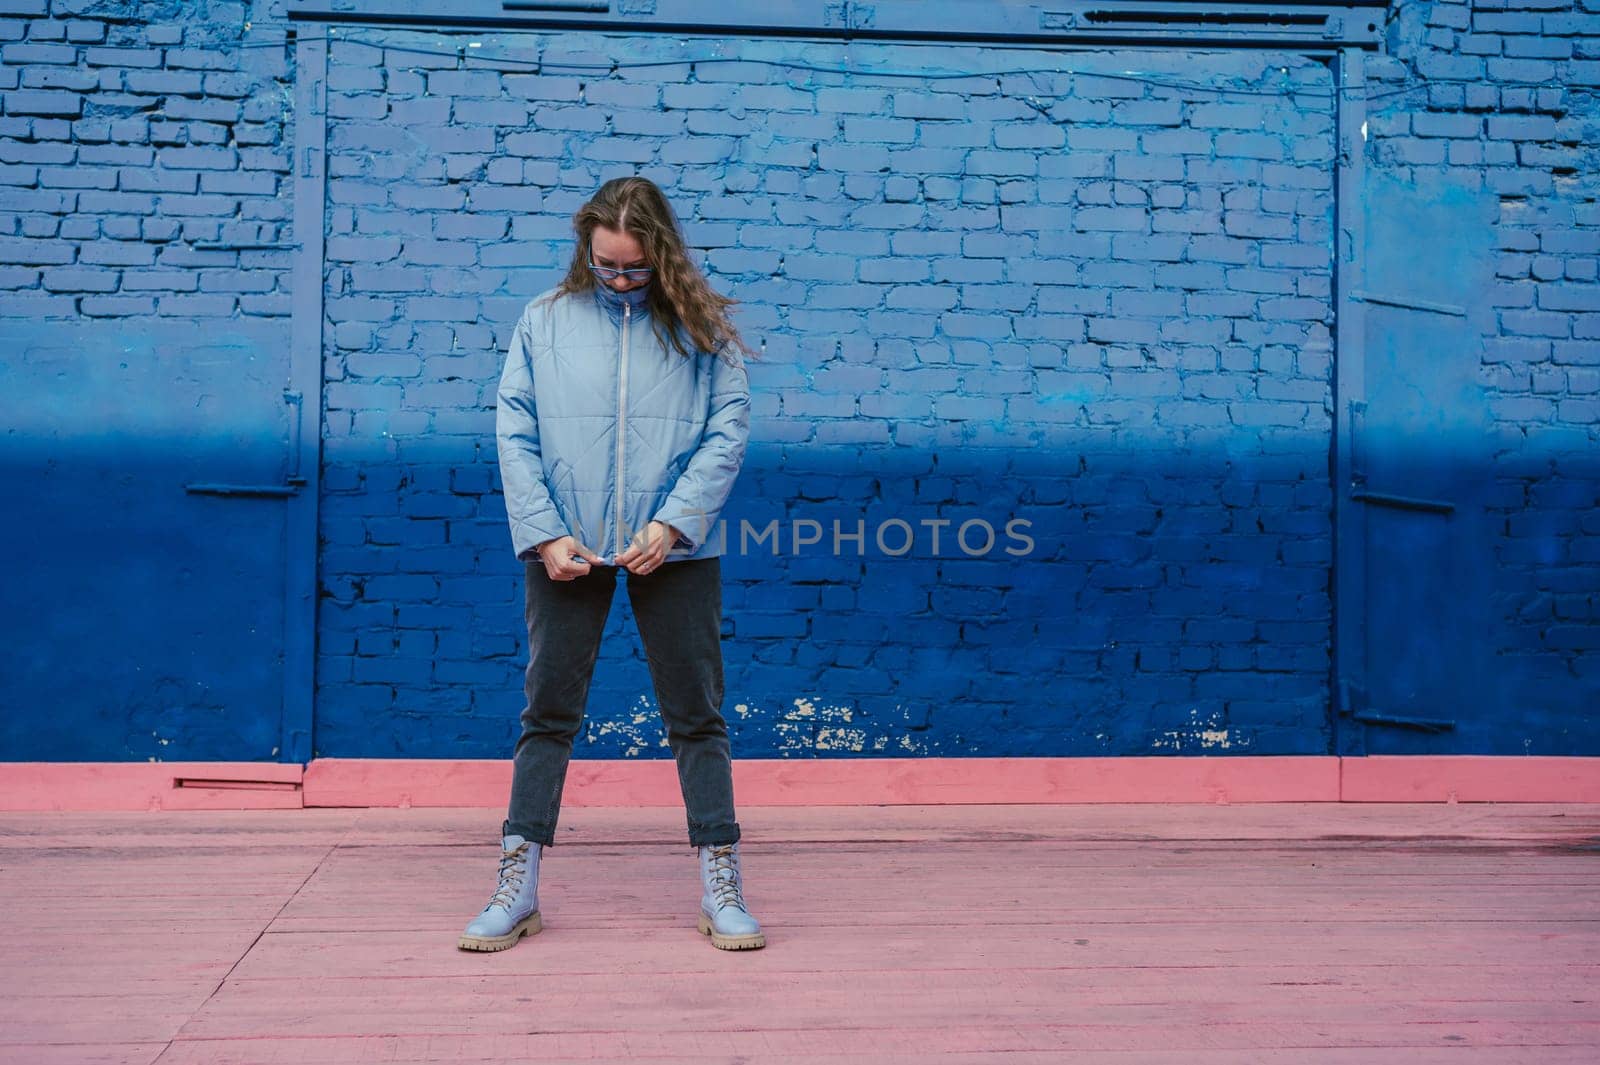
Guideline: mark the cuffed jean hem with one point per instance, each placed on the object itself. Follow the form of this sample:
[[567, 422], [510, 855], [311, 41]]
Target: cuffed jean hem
[[710, 836], [543, 836], [713, 835]]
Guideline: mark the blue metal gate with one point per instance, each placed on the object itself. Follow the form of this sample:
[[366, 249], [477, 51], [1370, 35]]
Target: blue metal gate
[[1415, 538]]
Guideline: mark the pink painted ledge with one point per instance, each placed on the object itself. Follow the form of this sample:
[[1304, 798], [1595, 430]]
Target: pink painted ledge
[[150, 786], [808, 782], [1468, 778]]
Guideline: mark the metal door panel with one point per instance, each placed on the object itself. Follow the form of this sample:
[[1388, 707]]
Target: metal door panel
[[1419, 463], [146, 619]]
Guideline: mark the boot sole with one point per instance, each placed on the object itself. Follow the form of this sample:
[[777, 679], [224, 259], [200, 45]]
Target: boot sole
[[526, 927], [754, 941]]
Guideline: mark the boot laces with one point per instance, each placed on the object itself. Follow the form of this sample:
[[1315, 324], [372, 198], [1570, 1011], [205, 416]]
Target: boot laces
[[513, 868], [724, 869]]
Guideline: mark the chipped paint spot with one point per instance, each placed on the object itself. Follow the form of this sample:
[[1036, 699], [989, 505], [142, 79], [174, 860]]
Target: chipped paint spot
[[640, 728], [1211, 733], [841, 739], [809, 725]]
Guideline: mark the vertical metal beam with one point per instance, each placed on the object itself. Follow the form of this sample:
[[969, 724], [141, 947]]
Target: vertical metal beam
[[1350, 393], [305, 378]]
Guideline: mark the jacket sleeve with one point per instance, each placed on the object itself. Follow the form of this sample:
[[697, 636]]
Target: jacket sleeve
[[696, 501], [533, 515]]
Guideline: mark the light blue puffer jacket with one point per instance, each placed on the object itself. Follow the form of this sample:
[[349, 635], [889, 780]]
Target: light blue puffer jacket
[[602, 429]]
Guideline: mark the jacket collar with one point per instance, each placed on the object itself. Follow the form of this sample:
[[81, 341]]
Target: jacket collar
[[613, 311]]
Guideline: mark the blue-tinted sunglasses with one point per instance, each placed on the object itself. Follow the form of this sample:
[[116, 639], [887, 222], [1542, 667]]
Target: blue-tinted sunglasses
[[606, 273]]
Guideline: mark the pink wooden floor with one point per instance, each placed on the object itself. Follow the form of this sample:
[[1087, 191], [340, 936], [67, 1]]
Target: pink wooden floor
[[1200, 935]]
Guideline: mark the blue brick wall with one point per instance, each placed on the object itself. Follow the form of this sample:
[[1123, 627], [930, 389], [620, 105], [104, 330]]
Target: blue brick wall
[[1098, 303], [1094, 305]]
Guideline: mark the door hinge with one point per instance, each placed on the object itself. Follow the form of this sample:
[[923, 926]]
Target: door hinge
[[1410, 303], [1384, 499], [1353, 704]]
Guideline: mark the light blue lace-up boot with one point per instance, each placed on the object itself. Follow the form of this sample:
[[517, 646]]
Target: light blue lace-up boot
[[514, 910], [723, 915]]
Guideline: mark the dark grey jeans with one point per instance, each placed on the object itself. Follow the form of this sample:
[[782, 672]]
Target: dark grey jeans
[[679, 611]]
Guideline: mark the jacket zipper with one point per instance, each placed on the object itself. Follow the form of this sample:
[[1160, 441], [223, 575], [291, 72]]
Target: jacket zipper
[[622, 422]]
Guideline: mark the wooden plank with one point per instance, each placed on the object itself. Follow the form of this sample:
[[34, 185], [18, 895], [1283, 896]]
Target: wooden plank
[[570, 946], [65, 1018], [1366, 1043], [927, 994], [851, 1048], [925, 1011], [1292, 824], [193, 831], [435, 887], [119, 1053]]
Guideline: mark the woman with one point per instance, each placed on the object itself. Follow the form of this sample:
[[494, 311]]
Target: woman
[[622, 421]]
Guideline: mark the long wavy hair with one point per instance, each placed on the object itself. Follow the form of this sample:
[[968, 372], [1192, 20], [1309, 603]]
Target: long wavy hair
[[683, 306]]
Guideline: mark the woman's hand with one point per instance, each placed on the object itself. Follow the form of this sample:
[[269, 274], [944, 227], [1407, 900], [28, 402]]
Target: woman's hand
[[648, 549], [564, 558]]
